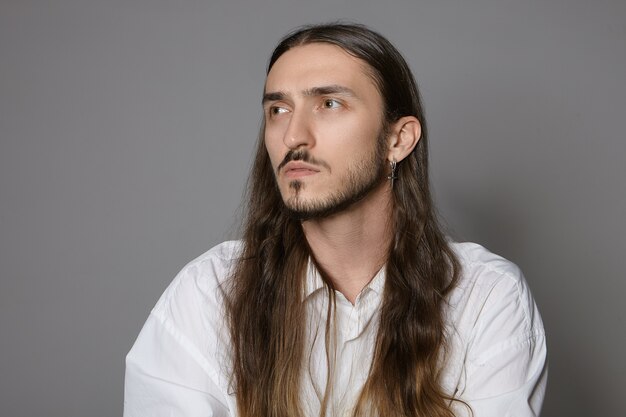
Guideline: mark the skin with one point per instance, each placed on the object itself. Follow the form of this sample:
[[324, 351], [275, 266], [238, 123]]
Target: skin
[[321, 101]]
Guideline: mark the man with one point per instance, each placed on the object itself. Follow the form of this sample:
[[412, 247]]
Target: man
[[343, 298]]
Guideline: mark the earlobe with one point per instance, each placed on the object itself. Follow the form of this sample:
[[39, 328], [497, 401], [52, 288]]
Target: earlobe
[[406, 133]]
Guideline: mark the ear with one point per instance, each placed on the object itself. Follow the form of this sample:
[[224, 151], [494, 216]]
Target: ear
[[404, 135]]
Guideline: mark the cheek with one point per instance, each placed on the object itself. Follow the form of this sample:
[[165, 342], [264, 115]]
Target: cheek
[[274, 149], [351, 138]]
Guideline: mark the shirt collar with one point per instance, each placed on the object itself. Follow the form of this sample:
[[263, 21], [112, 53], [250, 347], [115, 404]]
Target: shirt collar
[[314, 281], [377, 284]]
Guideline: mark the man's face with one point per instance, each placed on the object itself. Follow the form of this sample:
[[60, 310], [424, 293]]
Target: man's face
[[323, 129]]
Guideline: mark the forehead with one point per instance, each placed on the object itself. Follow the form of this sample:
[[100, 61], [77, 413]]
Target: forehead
[[319, 64]]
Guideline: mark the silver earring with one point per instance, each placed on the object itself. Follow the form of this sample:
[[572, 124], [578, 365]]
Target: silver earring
[[393, 176]]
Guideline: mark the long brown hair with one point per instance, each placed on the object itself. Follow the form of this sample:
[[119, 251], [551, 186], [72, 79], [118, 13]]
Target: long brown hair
[[264, 299]]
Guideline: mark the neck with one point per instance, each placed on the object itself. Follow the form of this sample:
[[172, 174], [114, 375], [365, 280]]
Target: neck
[[351, 246]]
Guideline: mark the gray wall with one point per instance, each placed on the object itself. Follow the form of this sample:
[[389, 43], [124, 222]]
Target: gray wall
[[126, 132]]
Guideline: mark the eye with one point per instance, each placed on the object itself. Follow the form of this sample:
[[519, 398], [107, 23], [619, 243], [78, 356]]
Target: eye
[[331, 103], [276, 110]]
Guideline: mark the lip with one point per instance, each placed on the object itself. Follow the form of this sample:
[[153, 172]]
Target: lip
[[298, 169]]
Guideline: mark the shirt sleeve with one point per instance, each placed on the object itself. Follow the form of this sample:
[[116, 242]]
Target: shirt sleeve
[[506, 370], [172, 369]]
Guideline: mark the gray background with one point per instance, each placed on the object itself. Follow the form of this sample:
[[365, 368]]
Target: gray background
[[127, 130]]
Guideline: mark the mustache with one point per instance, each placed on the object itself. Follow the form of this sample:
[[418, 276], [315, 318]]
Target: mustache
[[301, 155]]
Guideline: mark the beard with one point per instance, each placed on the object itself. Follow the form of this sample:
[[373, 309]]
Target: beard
[[361, 178]]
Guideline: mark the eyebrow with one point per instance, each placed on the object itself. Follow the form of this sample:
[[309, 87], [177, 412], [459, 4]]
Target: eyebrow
[[312, 92]]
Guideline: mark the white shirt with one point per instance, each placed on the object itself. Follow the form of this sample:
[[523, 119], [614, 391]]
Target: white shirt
[[496, 358]]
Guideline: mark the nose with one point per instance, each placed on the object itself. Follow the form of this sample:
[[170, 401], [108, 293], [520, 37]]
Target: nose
[[299, 131]]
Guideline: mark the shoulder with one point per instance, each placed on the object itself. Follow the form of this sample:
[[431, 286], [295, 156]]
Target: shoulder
[[478, 263], [192, 306], [491, 296], [198, 285], [496, 335], [483, 272], [182, 350], [215, 262]]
